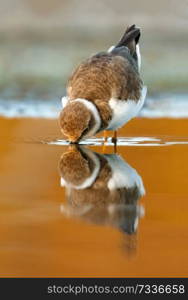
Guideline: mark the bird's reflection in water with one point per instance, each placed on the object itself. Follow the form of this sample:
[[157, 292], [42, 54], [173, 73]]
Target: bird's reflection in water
[[103, 189]]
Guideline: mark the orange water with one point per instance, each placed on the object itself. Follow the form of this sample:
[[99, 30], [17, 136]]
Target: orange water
[[36, 239]]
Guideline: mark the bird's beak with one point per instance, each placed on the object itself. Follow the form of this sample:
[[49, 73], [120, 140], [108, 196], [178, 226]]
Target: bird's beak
[[73, 140], [70, 138]]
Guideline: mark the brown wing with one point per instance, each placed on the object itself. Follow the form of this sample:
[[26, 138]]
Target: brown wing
[[104, 76]]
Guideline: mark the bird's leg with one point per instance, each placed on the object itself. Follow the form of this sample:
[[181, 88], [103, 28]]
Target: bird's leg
[[105, 136], [114, 140], [103, 148]]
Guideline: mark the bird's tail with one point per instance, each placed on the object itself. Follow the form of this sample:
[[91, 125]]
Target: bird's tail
[[130, 38]]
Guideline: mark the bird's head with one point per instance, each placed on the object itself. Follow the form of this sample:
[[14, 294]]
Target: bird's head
[[77, 121]]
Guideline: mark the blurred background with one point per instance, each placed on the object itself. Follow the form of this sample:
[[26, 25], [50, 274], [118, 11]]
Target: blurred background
[[41, 41]]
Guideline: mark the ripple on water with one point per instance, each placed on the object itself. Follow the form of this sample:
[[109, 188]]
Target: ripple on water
[[128, 141]]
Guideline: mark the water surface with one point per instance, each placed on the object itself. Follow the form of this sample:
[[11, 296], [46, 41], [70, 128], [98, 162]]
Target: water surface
[[128, 234]]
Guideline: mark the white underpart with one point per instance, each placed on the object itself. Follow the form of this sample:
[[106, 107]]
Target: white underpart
[[139, 214], [138, 56], [62, 182], [64, 101], [123, 175], [112, 208], [110, 49], [125, 110], [91, 179]]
